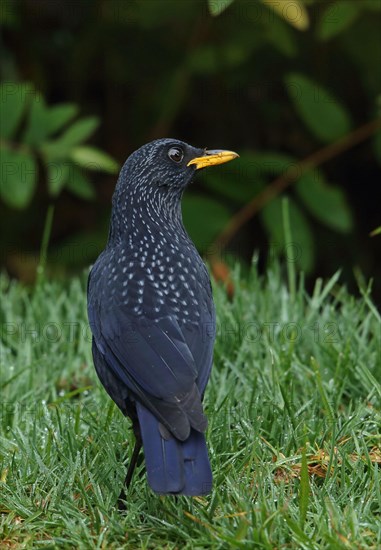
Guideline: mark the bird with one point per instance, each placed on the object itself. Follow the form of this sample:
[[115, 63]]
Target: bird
[[152, 317]]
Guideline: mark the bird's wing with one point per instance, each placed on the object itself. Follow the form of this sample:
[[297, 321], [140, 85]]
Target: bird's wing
[[154, 352], [154, 361]]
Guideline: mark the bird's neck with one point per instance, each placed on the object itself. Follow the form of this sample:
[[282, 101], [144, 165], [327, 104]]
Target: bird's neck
[[153, 212]]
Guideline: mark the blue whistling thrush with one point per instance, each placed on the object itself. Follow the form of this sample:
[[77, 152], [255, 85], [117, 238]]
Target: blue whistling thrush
[[151, 313]]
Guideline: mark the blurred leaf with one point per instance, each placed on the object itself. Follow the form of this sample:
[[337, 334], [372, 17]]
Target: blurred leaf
[[92, 158], [282, 37], [376, 231], [361, 48], [77, 133], [325, 116], [57, 175], [326, 202], [216, 7], [203, 218], [293, 11], [14, 98], [337, 17], [59, 115], [18, 178], [36, 126], [80, 131], [79, 184], [54, 150], [45, 121], [303, 244]]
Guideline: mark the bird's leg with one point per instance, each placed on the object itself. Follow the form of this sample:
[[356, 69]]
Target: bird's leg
[[134, 458]]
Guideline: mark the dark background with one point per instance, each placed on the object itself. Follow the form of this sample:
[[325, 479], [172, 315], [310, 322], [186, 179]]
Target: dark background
[[237, 80]]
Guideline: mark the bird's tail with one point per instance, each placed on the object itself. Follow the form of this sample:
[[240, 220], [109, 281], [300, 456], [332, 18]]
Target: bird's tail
[[173, 466]]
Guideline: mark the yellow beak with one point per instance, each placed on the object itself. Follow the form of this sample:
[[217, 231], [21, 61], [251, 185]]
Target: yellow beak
[[212, 158]]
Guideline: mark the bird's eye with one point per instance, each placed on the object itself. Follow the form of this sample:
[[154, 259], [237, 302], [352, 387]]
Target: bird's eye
[[176, 154]]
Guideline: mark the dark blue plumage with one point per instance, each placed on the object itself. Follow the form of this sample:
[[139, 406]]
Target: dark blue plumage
[[152, 316]]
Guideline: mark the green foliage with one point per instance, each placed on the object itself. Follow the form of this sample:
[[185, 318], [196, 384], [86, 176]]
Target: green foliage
[[13, 101], [323, 115], [275, 81], [376, 231], [337, 17], [242, 181], [294, 13], [204, 218], [19, 177], [44, 121], [275, 417], [216, 7], [48, 133], [93, 159], [326, 202], [302, 240]]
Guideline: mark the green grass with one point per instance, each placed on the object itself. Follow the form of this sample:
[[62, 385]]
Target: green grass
[[294, 407]]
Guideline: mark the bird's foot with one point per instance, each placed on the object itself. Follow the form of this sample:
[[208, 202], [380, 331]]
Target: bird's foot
[[121, 502]]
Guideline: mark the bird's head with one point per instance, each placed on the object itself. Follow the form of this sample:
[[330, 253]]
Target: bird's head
[[170, 163], [152, 180]]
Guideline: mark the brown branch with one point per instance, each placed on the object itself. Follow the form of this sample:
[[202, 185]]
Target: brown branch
[[290, 176]]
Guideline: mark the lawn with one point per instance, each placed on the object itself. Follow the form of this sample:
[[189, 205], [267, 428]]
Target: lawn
[[294, 408]]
